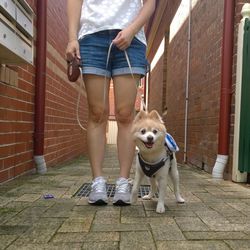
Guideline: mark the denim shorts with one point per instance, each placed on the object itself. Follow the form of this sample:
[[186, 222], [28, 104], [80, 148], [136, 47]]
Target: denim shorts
[[94, 52]]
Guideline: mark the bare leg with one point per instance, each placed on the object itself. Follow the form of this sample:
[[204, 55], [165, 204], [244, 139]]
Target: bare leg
[[125, 95], [97, 120]]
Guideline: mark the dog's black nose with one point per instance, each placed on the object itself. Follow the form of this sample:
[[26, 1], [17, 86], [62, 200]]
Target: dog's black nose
[[150, 138]]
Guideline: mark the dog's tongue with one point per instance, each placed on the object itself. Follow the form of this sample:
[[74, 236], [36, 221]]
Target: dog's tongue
[[148, 145]]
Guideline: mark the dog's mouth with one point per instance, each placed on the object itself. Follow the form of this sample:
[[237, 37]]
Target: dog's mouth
[[148, 144]]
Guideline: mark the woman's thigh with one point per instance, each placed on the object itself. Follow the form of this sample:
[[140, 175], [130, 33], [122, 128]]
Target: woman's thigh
[[125, 92], [97, 92]]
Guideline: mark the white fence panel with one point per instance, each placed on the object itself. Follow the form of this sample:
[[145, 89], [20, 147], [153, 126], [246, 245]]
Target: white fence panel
[[112, 132]]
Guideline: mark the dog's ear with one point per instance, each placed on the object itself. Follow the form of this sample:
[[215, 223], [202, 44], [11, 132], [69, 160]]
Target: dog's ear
[[142, 114], [155, 115]]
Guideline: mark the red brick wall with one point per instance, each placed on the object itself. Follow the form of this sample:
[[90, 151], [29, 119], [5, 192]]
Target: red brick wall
[[16, 120], [204, 85], [64, 139]]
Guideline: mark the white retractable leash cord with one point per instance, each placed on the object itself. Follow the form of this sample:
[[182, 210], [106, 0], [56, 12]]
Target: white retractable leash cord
[[105, 81]]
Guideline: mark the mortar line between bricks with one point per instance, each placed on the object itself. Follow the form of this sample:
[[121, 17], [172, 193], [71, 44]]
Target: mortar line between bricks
[[119, 243], [12, 242], [205, 222], [18, 236], [227, 245], [151, 231], [204, 239], [179, 228], [91, 227], [239, 211], [149, 226], [17, 214], [56, 231], [120, 215]]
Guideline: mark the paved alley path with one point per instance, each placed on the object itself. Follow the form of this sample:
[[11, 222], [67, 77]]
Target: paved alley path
[[216, 214]]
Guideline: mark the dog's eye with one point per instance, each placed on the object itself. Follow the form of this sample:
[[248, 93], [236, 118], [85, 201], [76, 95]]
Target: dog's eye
[[143, 131], [155, 131]]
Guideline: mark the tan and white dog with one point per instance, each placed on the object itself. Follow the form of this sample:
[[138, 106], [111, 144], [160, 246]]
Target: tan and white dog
[[153, 159]]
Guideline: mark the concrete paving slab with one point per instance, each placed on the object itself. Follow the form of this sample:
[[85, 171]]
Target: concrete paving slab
[[215, 235], [191, 245], [191, 224], [239, 244], [49, 246], [138, 240], [110, 245], [6, 240]]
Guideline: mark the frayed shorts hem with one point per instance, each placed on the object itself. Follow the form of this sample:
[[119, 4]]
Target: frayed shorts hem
[[115, 72]]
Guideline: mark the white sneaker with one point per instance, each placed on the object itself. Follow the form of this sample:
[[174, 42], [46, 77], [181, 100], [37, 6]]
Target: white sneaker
[[122, 192], [98, 194]]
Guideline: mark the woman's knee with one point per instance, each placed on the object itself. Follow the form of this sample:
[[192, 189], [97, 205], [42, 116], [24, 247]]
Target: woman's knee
[[98, 114], [124, 115]]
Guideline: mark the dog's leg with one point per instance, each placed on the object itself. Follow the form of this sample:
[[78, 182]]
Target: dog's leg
[[162, 185], [153, 189], [136, 184], [174, 175]]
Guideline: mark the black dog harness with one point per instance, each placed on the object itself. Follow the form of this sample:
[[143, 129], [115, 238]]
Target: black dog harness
[[150, 169]]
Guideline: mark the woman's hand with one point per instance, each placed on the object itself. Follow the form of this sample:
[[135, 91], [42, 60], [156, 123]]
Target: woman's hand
[[124, 38], [72, 50]]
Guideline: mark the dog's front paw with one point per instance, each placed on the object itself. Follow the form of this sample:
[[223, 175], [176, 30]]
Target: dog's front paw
[[180, 199], [147, 197], [160, 208]]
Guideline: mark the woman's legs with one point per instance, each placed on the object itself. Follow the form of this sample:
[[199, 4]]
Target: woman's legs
[[98, 104], [125, 95]]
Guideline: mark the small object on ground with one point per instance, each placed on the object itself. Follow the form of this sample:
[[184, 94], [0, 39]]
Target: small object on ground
[[48, 196]]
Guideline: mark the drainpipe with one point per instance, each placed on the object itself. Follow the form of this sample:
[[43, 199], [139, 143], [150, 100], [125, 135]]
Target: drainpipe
[[187, 83], [40, 79], [226, 89], [146, 90]]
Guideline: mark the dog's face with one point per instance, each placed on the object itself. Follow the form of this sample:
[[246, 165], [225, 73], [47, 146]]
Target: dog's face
[[148, 131]]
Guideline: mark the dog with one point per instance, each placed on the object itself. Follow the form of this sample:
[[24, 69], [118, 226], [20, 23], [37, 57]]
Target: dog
[[154, 159]]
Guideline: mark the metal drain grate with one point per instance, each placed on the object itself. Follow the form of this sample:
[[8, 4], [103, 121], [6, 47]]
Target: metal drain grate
[[86, 188]]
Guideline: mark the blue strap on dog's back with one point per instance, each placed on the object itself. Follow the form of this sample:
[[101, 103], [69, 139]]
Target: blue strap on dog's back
[[170, 143]]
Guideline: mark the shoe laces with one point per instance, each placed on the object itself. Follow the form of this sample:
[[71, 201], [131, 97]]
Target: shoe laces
[[99, 185], [123, 185]]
